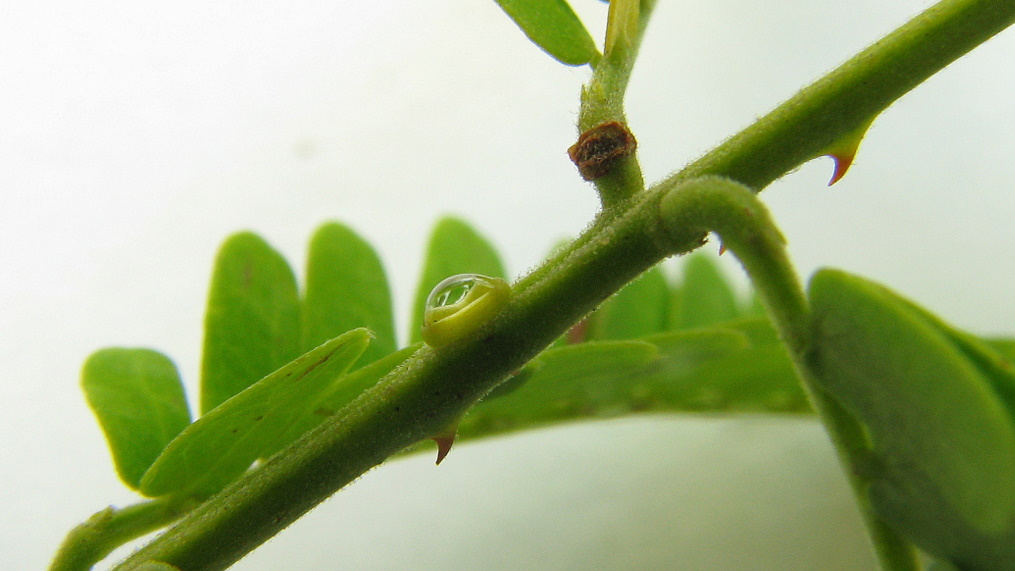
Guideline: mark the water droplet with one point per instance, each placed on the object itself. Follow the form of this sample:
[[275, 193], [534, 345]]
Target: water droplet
[[460, 305]]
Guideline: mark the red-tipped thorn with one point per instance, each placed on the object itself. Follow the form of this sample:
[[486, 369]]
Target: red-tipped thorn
[[842, 164], [444, 442], [722, 248]]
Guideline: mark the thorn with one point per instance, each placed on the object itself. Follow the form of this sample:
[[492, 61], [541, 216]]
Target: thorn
[[842, 164], [844, 151], [444, 441]]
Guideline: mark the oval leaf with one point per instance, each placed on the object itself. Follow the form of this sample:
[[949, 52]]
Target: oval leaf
[[138, 398], [346, 288], [455, 248], [944, 442], [224, 443], [741, 367], [553, 26], [251, 327], [342, 392], [641, 308], [704, 297]]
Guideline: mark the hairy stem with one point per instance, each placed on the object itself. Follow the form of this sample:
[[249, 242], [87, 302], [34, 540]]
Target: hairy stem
[[731, 210], [602, 99], [846, 100], [436, 386], [93, 540]]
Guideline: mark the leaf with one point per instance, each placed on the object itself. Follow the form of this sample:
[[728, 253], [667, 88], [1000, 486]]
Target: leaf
[[641, 308], [341, 393], [567, 382], [346, 288], [223, 444], [553, 26], [138, 399], [705, 297], [741, 367], [754, 375], [455, 248], [944, 440], [252, 325], [1004, 347]]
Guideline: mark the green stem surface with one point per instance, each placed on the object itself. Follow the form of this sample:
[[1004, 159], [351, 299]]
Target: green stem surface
[[93, 540], [436, 386]]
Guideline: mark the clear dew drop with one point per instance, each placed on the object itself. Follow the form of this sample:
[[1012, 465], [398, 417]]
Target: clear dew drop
[[453, 290], [459, 305]]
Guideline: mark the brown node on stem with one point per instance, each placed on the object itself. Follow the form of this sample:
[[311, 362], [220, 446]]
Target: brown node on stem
[[598, 149]]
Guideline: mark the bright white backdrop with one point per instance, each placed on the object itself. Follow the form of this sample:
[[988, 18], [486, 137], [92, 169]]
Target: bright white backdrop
[[134, 138]]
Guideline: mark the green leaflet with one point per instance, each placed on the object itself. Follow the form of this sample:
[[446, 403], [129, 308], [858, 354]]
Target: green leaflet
[[223, 444], [740, 366], [341, 393], [252, 322], [704, 296], [943, 463], [1004, 347], [346, 288], [639, 309], [138, 399], [455, 248], [554, 27]]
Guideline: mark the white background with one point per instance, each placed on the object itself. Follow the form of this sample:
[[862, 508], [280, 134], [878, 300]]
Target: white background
[[135, 136]]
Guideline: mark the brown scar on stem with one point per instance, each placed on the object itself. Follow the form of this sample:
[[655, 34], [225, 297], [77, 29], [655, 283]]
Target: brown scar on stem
[[598, 149]]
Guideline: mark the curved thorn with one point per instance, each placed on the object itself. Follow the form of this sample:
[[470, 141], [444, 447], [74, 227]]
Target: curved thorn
[[842, 164], [444, 441]]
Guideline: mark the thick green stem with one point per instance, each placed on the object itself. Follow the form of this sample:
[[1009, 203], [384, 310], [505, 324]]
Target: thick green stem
[[436, 386], [732, 211], [433, 389]]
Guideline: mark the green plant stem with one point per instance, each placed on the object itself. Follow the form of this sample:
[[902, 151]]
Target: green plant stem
[[96, 538], [436, 386], [846, 100], [602, 100], [732, 211]]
